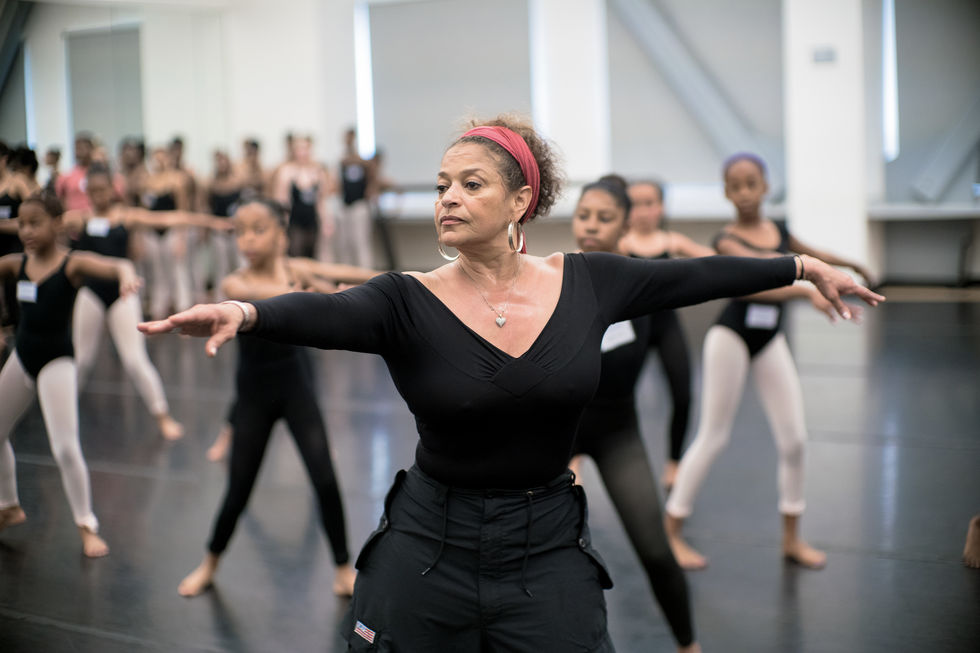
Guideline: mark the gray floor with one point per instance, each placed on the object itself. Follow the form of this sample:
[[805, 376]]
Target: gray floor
[[893, 478]]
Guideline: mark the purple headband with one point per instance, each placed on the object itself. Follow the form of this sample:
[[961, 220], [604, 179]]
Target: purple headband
[[743, 156]]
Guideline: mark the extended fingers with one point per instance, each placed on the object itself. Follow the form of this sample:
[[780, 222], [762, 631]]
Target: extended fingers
[[218, 339], [155, 327]]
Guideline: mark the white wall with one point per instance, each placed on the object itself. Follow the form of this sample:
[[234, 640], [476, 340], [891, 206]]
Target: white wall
[[213, 73], [13, 109]]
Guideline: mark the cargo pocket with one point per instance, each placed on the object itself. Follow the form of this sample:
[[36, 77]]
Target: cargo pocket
[[585, 541], [383, 524]]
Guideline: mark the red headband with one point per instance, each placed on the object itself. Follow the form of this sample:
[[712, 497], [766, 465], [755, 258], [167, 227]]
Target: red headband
[[517, 148]]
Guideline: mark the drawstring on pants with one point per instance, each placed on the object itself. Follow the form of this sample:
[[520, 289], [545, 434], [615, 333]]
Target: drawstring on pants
[[445, 524], [527, 542]]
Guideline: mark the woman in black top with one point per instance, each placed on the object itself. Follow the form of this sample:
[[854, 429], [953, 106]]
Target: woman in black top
[[42, 364], [609, 432], [484, 543], [748, 335]]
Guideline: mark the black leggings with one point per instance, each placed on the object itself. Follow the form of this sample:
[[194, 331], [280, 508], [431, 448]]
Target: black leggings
[[254, 415], [668, 338], [610, 435], [302, 240]]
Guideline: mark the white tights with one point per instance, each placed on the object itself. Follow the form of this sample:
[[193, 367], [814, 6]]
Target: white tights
[[353, 236], [122, 317], [171, 273], [726, 364], [57, 392]]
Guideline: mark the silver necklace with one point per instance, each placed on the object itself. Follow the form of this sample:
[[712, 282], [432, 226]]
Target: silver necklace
[[501, 320]]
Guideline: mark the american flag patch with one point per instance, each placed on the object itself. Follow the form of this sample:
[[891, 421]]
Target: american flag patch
[[364, 632]]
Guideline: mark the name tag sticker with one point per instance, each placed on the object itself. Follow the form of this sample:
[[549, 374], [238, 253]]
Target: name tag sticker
[[761, 316], [617, 335], [27, 291], [5, 212], [98, 227]]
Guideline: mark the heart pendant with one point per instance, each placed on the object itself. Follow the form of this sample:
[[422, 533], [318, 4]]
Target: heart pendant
[[501, 321]]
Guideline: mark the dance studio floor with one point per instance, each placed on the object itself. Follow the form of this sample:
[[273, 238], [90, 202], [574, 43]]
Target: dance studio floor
[[893, 409]]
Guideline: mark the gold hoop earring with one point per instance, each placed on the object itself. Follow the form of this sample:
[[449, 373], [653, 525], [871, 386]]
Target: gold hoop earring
[[443, 253], [510, 236]]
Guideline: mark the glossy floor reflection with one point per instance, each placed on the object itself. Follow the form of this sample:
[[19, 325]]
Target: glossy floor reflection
[[893, 478]]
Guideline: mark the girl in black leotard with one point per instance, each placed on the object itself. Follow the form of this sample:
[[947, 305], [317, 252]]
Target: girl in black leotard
[[276, 381], [647, 238], [748, 335], [165, 189], [105, 230], [12, 192], [220, 196], [484, 544], [302, 185], [42, 363], [609, 432]]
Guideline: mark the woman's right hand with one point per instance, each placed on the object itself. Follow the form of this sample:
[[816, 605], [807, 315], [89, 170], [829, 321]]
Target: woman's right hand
[[832, 284], [217, 322]]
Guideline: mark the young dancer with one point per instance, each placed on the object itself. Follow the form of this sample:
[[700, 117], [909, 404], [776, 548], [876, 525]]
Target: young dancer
[[302, 185], [105, 230], [276, 381], [13, 191], [219, 195], [647, 238], [609, 431], [42, 363], [353, 238], [165, 189], [484, 543], [71, 186], [748, 335]]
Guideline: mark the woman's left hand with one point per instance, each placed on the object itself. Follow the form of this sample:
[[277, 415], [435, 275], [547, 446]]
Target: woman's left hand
[[832, 284]]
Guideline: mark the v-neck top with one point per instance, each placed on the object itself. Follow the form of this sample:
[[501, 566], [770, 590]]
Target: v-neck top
[[485, 418]]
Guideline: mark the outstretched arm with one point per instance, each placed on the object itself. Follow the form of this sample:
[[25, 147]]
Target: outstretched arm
[[827, 257], [627, 288], [681, 245], [167, 219], [10, 265], [359, 319], [349, 274], [89, 264]]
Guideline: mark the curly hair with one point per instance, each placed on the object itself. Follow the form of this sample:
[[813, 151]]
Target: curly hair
[[552, 177]]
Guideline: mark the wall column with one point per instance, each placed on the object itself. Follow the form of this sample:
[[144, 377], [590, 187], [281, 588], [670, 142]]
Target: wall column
[[570, 82], [826, 169]]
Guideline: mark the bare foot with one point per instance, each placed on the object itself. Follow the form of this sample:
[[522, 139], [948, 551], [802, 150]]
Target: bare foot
[[971, 554], [169, 427], [575, 464], [670, 474], [804, 555], [343, 580], [93, 545], [201, 578], [684, 553], [219, 449], [12, 516], [693, 647]]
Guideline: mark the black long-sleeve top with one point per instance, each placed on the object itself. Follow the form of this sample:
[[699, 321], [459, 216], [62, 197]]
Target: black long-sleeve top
[[486, 419]]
